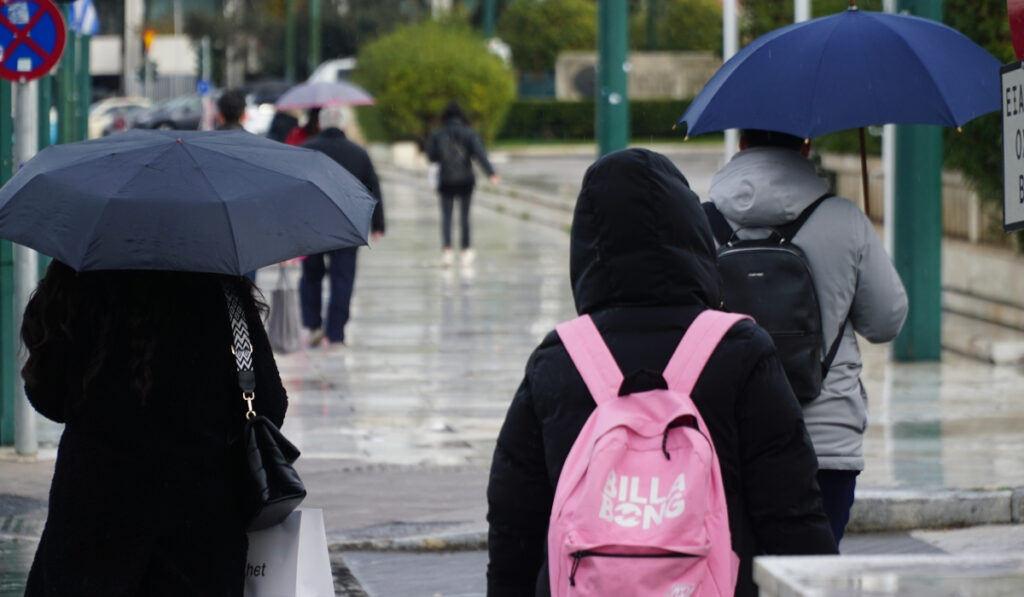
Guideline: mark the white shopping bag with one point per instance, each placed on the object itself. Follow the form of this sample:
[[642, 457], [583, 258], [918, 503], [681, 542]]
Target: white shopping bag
[[290, 559]]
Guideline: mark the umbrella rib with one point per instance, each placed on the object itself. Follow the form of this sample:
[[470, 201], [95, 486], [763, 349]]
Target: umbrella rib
[[224, 204], [318, 187], [924, 65]]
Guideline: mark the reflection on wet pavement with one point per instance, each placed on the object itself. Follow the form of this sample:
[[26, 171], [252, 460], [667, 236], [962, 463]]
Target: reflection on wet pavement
[[436, 354]]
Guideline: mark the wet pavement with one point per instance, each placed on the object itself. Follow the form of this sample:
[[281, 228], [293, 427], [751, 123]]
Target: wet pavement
[[397, 430]]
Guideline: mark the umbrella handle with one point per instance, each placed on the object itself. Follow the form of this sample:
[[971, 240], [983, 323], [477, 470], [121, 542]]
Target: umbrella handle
[[864, 170]]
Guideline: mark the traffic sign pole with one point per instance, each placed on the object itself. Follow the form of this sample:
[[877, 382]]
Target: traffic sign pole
[[32, 35], [8, 345], [26, 104]]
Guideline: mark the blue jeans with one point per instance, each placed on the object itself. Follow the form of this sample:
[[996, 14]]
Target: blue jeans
[[837, 497], [341, 265]]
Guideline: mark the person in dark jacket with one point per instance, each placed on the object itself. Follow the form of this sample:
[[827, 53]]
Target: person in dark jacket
[[231, 110], [642, 265], [145, 498], [342, 262], [453, 147]]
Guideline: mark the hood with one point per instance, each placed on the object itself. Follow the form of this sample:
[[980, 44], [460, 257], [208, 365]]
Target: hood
[[640, 237], [766, 186]]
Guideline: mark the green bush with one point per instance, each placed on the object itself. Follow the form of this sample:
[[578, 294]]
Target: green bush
[[562, 120], [678, 25], [416, 70]]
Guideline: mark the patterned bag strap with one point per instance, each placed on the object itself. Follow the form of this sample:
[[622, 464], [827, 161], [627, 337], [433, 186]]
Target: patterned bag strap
[[241, 348]]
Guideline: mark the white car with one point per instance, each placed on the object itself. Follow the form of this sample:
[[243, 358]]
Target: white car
[[103, 112]]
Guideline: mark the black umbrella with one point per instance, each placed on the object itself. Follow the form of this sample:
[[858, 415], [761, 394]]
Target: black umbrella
[[221, 202]]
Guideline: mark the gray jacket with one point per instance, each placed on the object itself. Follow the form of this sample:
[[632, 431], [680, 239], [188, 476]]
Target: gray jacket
[[856, 283]]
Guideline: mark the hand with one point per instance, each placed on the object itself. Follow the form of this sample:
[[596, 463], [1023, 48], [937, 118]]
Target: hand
[[495, 179], [375, 235]]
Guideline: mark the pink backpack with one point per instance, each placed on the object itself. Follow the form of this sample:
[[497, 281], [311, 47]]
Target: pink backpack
[[640, 507]]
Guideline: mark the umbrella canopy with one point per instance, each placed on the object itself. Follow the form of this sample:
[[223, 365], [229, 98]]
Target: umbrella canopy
[[323, 93], [222, 202], [853, 69]]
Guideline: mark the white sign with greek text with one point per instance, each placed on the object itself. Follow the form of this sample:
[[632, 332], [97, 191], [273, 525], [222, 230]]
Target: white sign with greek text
[[1012, 76]]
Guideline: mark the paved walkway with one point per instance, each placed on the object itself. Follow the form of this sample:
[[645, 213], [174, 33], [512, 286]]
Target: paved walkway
[[398, 430]]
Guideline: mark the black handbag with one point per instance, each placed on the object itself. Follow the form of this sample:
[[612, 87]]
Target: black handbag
[[271, 488]]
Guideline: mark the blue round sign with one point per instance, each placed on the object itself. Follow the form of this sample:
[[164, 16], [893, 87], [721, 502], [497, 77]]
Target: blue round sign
[[202, 87], [31, 39]]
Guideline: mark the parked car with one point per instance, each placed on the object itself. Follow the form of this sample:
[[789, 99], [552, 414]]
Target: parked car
[[259, 104], [122, 119], [180, 113], [334, 70], [103, 113]]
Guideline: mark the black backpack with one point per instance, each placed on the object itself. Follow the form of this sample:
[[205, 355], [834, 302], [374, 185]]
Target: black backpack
[[770, 280], [455, 165]]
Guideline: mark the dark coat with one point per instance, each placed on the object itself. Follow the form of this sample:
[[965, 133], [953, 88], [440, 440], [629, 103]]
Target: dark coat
[[144, 499], [459, 176], [642, 264], [353, 158]]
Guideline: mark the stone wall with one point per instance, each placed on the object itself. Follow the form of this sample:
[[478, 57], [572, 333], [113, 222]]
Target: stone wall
[[652, 75]]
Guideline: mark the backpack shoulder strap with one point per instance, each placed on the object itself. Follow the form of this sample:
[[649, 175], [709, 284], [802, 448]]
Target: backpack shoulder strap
[[694, 350], [591, 356], [719, 225], [789, 230]]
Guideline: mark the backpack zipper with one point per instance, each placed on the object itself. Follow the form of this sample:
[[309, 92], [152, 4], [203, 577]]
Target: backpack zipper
[[577, 556]]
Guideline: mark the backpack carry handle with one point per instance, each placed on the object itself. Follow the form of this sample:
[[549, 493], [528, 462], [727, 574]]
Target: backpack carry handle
[[724, 233]]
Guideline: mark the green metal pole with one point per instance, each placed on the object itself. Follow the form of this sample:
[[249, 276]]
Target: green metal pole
[[651, 19], [489, 18], [612, 109], [45, 86], [917, 221], [289, 41], [67, 128], [84, 85], [7, 340], [314, 34]]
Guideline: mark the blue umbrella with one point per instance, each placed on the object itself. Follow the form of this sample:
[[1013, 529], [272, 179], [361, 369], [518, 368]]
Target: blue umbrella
[[221, 202], [853, 69]]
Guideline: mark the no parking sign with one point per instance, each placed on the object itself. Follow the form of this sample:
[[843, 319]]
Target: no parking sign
[[31, 39]]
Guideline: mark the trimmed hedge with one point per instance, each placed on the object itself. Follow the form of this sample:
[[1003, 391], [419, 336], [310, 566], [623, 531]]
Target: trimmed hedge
[[564, 120]]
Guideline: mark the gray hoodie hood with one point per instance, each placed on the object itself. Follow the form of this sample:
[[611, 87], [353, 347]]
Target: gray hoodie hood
[[766, 186]]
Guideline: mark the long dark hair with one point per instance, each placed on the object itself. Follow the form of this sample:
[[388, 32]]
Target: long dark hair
[[67, 303]]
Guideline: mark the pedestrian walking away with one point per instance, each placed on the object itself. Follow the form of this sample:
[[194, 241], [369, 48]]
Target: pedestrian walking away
[[299, 134], [770, 183], [231, 110], [146, 492], [642, 267], [453, 147], [340, 265]]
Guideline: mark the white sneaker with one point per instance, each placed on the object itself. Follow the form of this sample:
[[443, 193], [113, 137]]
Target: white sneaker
[[468, 255], [447, 258], [316, 337]]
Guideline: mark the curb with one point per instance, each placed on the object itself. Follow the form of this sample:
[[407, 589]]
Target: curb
[[886, 510], [874, 511]]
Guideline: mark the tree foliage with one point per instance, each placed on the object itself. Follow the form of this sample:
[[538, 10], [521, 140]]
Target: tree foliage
[[761, 16], [538, 30], [977, 151], [414, 71], [679, 25]]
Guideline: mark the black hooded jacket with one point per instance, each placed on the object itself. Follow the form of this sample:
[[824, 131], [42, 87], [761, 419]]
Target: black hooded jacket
[[643, 266]]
